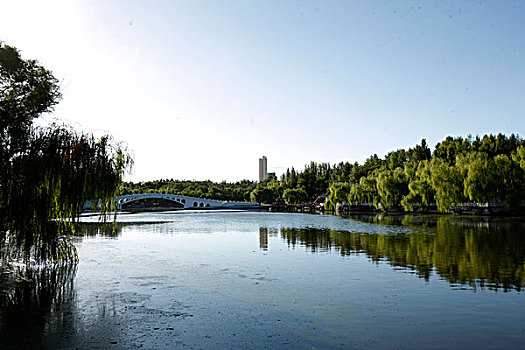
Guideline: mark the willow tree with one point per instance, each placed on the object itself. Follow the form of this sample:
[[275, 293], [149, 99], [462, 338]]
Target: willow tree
[[392, 186], [447, 183], [295, 195], [338, 193], [46, 173], [419, 185]]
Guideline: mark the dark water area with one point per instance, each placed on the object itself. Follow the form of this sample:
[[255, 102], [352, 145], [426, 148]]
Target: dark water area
[[275, 280]]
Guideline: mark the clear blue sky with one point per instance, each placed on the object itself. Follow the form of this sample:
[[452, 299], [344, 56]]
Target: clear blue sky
[[202, 89]]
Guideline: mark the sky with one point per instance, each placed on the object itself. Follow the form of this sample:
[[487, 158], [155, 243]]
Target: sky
[[201, 90]]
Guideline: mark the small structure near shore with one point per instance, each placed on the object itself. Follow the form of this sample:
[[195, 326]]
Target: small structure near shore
[[311, 207], [489, 209], [296, 208]]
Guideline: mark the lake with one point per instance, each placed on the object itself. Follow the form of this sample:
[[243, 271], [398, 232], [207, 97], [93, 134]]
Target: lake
[[257, 280]]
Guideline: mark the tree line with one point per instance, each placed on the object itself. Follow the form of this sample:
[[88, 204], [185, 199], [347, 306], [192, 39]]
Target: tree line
[[489, 168], [226, 191], [472, 169], [334, 180], [477, 169]]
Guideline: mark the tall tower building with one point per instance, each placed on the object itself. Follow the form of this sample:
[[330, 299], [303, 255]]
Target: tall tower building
[[263, 169]]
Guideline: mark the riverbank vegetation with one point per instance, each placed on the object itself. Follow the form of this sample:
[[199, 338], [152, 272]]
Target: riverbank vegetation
[[477, 169], [480, 169], [472, 169], [226, 191], [47, 173]]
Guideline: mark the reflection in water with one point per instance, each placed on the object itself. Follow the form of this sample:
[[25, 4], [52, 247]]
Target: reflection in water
[[35, 299], [136, 288], [476, 252], [98, 229], [485, 254], [263, 238]]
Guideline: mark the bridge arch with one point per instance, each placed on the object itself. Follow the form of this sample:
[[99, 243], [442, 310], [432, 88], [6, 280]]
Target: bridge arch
[[130, 200]]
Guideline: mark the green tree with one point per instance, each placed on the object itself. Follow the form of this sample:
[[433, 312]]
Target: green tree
[[396, 159], [341, 172], [295, 195], [392, 186], [26, 91], [478, 184], [46, 173], [419, 185], [264, 194], [450, 148], [518, 156], [338, 193], [504, 180], [420, 152], [365, 192], [447, 182]]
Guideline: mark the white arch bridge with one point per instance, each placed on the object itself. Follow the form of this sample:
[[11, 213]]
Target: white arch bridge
[[135, 202]]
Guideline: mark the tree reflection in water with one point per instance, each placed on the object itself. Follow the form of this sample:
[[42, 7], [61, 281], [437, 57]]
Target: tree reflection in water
[[480, 253], [36, 298], [39, 299], [108, 230]]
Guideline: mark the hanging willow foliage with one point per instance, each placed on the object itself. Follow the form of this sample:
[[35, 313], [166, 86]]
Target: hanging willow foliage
[[47, 173]]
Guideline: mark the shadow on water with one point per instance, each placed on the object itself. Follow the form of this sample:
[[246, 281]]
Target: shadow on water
[[108, 230], [478, 253], [38, 306], [35, 302]]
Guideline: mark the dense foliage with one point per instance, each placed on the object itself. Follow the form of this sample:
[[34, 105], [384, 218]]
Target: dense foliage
[[227, 191], [472, 169], [46, 173], [480, 170], [459, 170]]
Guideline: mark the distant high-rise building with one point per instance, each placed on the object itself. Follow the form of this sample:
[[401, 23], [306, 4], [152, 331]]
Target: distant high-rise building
[[263, 167]]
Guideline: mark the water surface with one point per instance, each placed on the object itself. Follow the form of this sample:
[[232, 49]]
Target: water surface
[[270, 280]]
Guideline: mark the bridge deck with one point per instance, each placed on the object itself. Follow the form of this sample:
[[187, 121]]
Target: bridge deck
[[179, 202]]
